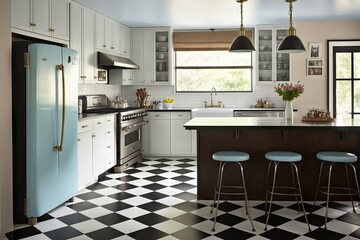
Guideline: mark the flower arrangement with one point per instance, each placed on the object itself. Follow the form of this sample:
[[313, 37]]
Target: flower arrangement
[[289, 92]]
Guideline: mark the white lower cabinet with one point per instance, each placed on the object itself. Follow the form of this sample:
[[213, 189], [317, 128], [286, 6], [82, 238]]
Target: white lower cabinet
[[96, 148], [165, 134]]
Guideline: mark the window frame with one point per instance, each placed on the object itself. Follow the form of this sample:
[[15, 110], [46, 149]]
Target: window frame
[[251, 67]]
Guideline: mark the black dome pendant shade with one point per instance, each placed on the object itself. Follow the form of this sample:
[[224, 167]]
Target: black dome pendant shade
[[241, 43], [291, 43]]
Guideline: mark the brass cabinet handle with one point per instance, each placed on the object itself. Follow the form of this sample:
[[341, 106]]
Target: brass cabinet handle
[[33, 24], [108, 146], [112, 47], [84, 126], [99, 123], [157, 115], [108, 132], [93, 135], [104, 45], [58, 148]]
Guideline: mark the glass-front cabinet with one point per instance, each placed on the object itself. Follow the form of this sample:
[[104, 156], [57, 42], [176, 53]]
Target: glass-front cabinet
[[162, 56], [272, 66]]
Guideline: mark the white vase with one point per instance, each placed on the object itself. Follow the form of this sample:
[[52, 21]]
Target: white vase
[[289, 113]]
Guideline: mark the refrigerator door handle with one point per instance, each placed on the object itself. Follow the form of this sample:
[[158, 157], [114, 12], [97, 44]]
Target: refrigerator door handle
[[58, 148]]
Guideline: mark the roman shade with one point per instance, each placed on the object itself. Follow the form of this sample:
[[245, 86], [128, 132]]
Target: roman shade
[[206, 41]]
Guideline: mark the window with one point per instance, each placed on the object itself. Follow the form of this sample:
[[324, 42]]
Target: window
[[344, 77], [199, 71]]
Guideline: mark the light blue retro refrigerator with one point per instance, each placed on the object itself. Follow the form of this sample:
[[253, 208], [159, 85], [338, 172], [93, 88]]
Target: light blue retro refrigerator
[[49, 161]]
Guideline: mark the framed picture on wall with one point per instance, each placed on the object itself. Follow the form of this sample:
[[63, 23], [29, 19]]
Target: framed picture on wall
[[315, 50], [314, 67]]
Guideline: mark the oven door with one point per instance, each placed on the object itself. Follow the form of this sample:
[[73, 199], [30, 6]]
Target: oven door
[[130, 137]]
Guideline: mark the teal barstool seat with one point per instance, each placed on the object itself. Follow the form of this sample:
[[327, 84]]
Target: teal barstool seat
[[275, 158], [225, 157], [330, 158]]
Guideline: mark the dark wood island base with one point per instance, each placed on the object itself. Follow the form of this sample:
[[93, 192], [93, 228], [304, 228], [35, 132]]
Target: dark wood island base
[[257, 136]]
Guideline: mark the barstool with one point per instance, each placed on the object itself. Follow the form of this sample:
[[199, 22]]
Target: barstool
[[275, 158], [224, 158], [332, 157]]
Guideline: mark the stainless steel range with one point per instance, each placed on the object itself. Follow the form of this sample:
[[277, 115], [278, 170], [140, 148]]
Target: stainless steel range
[[128, 129]]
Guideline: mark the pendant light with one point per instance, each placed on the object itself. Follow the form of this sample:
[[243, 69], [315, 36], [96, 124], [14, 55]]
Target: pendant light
[[241, 43], [291, 43]]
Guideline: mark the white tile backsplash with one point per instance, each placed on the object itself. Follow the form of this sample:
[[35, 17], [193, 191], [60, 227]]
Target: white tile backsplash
[[185, 100], [111, 91]]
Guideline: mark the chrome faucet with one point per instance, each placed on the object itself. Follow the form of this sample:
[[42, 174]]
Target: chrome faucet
[[211, 96]]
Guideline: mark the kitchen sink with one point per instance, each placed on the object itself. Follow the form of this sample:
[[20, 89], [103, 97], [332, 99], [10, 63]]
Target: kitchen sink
[[212, 112]]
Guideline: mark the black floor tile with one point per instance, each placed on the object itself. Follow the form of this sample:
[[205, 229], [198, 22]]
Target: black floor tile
[[89, 195], [147, 234], [81, 206], [127, 178], [124, 186], [44, 217], [314, 219], [186, 196], [23, 233], [184, 165], [96, 186], [121, 196], [105, 234], [73, 218], [190, 233], [308, 207], [160, 165], [229, 219], [232, 233], [182, 171], [322, 234], [151, 219], [274, 220], [182, 178], [163, 160], [185, 160], [274, 207], [152, 206], [189, 206], [117, 206], [339, 206], [157, 171], [353, 218], [277, 233], [154, 186], [154, 196], [183, 186], [155, 178], [111, 219], [132, 171], [63, 233], [356, 234], [227, 206]]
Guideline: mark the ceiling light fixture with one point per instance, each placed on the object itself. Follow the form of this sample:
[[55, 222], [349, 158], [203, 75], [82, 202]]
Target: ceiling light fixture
[[241, 43], [291, 43]]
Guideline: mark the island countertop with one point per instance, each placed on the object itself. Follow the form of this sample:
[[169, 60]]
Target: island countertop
[[257, 136], [269, 123]]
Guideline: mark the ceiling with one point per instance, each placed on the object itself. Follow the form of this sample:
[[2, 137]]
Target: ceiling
[[206, 14]]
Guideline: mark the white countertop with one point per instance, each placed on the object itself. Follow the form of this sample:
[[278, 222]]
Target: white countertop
[[271, 122]]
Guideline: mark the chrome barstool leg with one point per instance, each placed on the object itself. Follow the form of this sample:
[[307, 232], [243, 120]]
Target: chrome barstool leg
[[293, 178], [328, 194], [267, 184], [218, 194], [318, 184], [300, 192], [348, 186], [247, 206], [271, 194], [216, 187], [356, 181]]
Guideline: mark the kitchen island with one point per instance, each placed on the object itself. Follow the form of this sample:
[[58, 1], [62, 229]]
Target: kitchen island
[[259, 135]]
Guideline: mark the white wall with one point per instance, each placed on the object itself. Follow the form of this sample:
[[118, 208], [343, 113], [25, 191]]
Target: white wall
[[315, 94], [5, 121]]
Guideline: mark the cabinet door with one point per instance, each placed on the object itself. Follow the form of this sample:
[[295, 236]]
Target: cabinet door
[[108, 35], [265, 55], [110, 147], [126, 41], [100, 32], [180, 137], [85, 164], [88, 49], [149, 56], [116, 37], [162, 56], [137, 54], [60, 19], [21, 14], [76, 34], [41, 17], [99, 144], [145, 137], [159, 140], [282, 59]]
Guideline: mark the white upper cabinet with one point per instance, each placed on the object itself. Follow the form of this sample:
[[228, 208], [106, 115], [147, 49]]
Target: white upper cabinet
[[125, 49], [152, 51], [108, 35], [83, 40], [49, 18]]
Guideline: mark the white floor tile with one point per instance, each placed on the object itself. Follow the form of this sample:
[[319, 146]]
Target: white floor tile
[[142, 174], [168, 182], [168, 238], [133, 212], [129, 226], [141, 182], [296, 227], [50, 225], [61, 211], [170, 201], [169, 174], [341, 227], [138, 191], [169, 226], [96, 212], [100, 201], [207, 226], [136, 201], [170, 191], [110, 183], [170, 212], [88, 226], [37, 237], [108, 191]]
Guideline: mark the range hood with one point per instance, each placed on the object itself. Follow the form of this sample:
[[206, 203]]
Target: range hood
[[109, 61]]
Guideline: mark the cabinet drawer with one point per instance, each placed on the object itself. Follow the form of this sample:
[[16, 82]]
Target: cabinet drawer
[[110, 119], [180, 115], [159, 115], [98, 122], [84, 125]]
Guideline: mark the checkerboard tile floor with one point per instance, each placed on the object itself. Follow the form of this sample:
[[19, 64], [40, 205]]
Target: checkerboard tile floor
[[157, 200]]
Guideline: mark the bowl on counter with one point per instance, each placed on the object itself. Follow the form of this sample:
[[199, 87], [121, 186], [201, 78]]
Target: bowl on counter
[[161, 38], [168, 105]]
